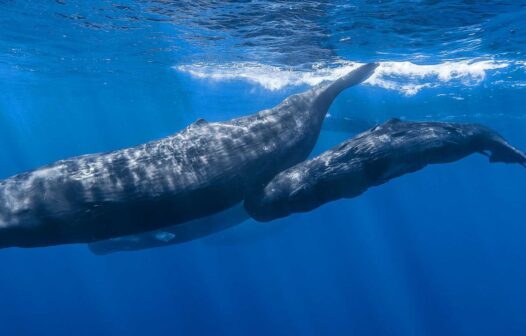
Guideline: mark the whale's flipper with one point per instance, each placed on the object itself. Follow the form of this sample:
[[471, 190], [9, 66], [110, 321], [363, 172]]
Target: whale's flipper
[[176, 234]]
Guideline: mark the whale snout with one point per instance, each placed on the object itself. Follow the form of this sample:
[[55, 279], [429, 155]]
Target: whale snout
[[264, 205], [277, 199]]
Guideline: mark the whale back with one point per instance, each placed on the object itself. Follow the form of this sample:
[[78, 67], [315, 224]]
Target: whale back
[[204, 169], [249, 151]]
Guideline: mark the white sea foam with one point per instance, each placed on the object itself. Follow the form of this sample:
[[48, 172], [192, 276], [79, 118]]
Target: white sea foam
[[405, 77], [269, 77], [410, 78]]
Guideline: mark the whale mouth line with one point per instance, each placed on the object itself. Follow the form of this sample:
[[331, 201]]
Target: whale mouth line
[[404, 77]]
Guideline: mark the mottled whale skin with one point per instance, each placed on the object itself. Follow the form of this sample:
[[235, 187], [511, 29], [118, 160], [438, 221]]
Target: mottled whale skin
[[372, 158], [215, 223], [204, 169]]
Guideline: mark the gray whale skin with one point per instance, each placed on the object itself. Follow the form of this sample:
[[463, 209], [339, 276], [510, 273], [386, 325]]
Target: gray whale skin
[[204, 169], [372, 158]]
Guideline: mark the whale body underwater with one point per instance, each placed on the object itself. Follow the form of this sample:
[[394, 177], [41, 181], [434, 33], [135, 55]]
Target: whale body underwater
[[212, 176], [202, 170], [372, 158]]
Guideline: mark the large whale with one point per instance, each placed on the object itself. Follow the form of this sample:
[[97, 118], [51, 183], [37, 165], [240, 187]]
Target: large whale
[[202, 170], [373, 158], [225, 220]]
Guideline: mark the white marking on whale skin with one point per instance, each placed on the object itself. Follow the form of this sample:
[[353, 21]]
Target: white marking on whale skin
[[164, 236]]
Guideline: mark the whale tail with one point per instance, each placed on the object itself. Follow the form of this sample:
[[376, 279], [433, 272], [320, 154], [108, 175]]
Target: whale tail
[[501, 151], [508, 154]]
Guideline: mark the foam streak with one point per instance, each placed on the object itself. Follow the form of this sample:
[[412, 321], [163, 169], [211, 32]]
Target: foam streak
[[405, 77]]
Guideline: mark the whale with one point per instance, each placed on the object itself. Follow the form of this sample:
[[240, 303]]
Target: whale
[[228, 227], [204, 169], [373, 158], [370, 159]]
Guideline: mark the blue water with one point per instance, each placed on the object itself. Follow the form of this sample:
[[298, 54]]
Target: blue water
[[438, 252]]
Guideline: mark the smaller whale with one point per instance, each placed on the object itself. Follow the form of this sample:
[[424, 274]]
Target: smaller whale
[[373, 158]]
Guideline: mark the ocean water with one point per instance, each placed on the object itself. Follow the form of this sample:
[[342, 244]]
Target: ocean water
[[438, 252]]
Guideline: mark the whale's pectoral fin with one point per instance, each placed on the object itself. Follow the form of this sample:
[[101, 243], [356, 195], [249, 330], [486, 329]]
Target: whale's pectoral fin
[[172, 235]]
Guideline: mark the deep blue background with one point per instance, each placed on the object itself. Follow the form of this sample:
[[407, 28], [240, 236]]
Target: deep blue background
[[438, 252]]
